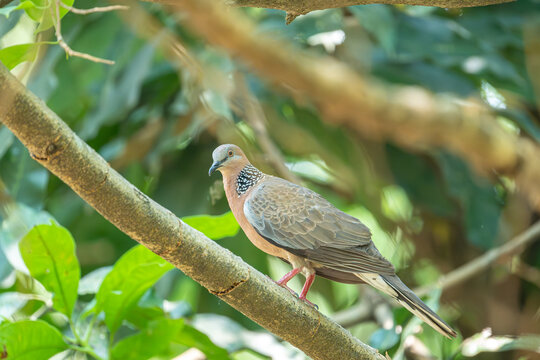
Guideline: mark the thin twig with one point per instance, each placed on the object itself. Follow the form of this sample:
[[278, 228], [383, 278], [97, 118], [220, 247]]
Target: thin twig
[[94, 9], [65, 46], [481, 263]]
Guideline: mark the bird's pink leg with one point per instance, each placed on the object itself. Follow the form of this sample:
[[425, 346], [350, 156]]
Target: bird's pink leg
[[305, 289], [285, 279], [288, 276]]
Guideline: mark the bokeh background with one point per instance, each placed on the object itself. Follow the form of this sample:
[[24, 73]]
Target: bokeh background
[[170, 99]]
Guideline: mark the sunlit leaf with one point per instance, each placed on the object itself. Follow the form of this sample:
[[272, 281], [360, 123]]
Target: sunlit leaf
[[12, 56], [151, 341], [30, 340], [7, 10], [192, 337], [215, 227], [44, 12], [49, 253], [134, 273]]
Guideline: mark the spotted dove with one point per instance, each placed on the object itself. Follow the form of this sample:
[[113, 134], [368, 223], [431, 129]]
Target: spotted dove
[[300, 227]]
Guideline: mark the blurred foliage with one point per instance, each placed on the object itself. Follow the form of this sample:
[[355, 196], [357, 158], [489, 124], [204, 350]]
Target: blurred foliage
[[157, 122]]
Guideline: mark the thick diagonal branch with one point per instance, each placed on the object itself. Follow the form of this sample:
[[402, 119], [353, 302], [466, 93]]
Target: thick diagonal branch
[[52, 143], [300, 7], [409, 116]]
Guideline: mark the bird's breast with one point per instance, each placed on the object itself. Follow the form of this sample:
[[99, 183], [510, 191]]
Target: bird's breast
[[236, 203]]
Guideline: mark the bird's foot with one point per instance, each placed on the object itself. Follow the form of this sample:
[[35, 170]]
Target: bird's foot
[[309, 303]]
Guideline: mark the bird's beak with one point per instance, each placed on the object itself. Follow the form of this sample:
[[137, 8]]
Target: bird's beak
[[216, 165]]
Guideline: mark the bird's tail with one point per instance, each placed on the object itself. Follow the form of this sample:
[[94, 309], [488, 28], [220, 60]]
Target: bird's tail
[[393, 286]]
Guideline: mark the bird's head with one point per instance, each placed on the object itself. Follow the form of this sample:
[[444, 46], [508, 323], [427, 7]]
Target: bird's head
[[228, 158]]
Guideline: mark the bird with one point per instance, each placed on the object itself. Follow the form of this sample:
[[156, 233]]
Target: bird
[[299, 226]]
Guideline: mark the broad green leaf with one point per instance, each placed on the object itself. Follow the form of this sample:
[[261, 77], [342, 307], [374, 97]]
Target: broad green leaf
[[49, 253], [12, 56], [192, 337], [215, 227], [141, 316], [485, 342], [134, 273], [6, 11], [44, 12], [91, 282], [30, 340], [152, 341]]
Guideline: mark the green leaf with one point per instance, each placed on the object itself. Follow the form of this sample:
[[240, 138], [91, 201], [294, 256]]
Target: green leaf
[[12, 56], [30, 340], [192, 337], [49, 253], [215, 227], [91, 282], [44, 12], [6, 11], [134, 273], [152, 341], [485, 342]]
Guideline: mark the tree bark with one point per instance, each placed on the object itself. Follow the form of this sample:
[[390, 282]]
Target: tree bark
[[301, 7], [52, 143]]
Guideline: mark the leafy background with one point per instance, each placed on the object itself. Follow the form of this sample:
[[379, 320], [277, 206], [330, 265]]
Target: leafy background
[[77, 287]]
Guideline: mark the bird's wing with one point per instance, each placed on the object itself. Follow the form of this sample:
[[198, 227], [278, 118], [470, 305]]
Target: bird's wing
[[302, 222]]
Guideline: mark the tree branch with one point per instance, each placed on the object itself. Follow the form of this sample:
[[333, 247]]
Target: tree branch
[[52, 143], [301, 7], [481, 263], [409, 116], [4, 3]]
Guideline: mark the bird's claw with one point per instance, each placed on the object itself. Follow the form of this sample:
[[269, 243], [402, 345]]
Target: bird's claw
[[309, 303]]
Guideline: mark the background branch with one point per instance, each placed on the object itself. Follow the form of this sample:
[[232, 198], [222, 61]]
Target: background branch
[[410, 116], [481, 263], [52, 143]]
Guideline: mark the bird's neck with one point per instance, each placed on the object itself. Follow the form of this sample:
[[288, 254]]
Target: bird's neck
[[247, 178], [241, 181]]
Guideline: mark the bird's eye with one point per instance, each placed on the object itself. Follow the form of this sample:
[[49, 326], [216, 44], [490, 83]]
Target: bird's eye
[[230, 153]]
